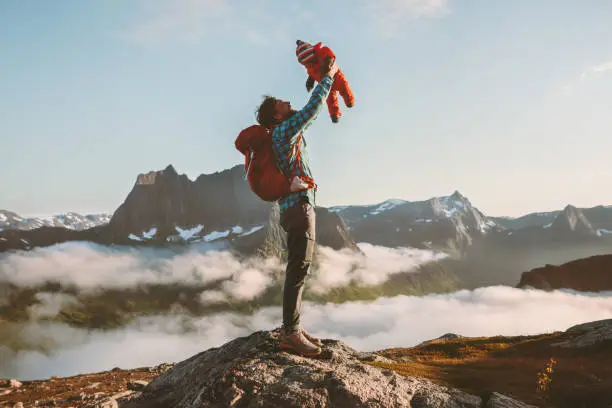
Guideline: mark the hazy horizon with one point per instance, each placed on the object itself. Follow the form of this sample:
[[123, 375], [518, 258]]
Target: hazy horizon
[[35, 214]]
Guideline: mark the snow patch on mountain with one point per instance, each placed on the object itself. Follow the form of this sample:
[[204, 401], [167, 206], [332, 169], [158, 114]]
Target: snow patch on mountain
[[194, 234], [370, 209], [386, 206]]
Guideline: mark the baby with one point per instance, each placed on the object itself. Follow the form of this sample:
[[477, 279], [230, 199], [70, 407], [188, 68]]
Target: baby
[[313, 58]]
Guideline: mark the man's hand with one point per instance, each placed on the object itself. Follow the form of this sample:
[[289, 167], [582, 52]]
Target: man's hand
[[333, 69], [329, 67], [310, 83]]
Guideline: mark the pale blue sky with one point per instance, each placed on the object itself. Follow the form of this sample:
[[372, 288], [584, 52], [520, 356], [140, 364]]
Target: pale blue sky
[[506, 101]]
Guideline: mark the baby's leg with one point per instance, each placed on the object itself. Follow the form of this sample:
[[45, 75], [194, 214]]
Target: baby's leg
[[344, 89], [333, 106]]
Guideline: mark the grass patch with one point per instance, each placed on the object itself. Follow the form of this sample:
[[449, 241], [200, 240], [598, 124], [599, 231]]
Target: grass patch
[[527, 368]]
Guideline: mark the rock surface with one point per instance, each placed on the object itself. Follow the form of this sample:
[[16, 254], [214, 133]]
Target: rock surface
[[588, 334], [251, 372], [497, 400]]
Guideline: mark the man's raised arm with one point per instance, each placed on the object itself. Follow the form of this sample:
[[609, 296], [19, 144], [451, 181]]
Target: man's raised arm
[[304, 118]]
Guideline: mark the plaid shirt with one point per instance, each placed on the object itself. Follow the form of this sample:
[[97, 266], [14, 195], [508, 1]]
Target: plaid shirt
[[286, 135]]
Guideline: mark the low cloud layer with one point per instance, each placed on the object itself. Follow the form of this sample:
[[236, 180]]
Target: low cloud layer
[[90, 267], [400, 321]]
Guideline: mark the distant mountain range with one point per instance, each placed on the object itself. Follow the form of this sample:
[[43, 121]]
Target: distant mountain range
[[166, 208], [71, 220], [446, 221]]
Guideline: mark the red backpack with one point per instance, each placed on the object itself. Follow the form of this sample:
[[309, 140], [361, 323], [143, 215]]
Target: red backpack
[[264, 177]]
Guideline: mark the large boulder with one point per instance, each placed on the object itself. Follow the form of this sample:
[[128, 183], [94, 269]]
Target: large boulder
[[588, 334], [251, 372]]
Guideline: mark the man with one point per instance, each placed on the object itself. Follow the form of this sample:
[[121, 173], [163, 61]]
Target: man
[[297, 215]]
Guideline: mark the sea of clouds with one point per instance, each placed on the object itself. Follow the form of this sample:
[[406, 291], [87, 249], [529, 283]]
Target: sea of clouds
[[91, 267], [400, 321]]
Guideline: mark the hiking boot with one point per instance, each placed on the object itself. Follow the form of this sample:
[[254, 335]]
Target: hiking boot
[[335, 119], [297, 343], [312, 339], [350, 104]]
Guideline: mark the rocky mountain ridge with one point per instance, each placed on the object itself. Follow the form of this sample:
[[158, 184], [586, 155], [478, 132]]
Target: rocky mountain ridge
[[439, 222]]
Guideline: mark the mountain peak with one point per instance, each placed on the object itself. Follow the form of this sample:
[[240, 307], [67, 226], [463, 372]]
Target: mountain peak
[[170, 170], [154, 176], [572, 219], [570, 209], [457, 195]]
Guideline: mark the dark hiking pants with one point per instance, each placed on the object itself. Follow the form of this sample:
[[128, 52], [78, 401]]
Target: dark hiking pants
[[298, 222]]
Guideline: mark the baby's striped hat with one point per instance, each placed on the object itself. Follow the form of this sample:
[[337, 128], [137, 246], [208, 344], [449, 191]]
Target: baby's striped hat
[[304, 52]]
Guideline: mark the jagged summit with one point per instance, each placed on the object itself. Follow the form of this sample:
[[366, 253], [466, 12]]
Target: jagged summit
[[458, 196], [158, 176], [572, 219], [170, 170]]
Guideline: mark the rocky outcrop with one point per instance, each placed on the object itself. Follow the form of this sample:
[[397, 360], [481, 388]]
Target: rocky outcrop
[[497, 400], [591, 274], [251, 372], [588, 334]]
